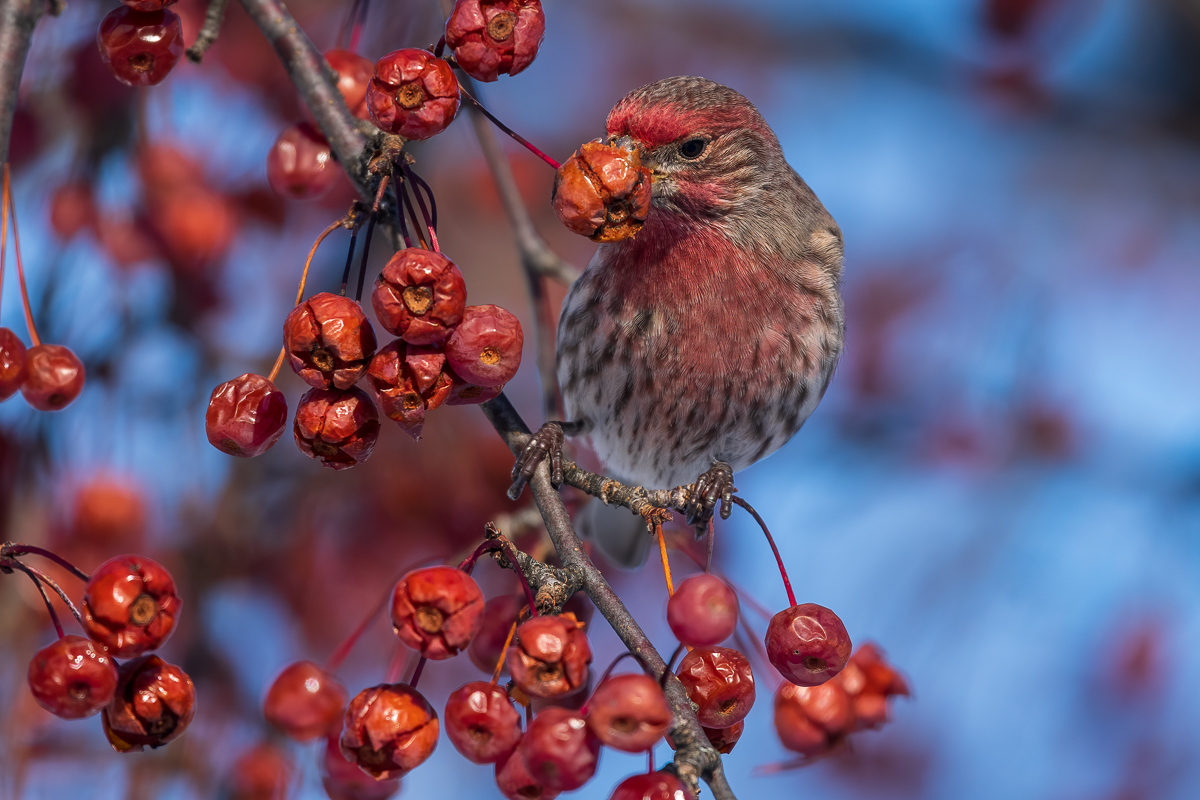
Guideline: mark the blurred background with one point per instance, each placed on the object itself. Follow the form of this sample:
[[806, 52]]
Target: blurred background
[[1001, 488]]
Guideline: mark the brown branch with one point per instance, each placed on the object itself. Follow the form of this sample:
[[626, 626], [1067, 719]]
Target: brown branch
[[209, 32], [17, 21]]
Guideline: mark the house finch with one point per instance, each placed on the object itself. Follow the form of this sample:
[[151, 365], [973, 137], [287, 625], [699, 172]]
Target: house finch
[[702, 344]]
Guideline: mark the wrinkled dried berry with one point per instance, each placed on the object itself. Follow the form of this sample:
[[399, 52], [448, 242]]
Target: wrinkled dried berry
[[549, 656], [870, 681], [246, 416], [305, 702], [559, 750], [409, 381], [343, 780], [54, 377], [130, 605], [263, 772], [354, 76], [628, 712], [72, 678], [481, 722], [485, 348], [437, 611], [719, 681], [703, 611], [300, 164], [419, 296], [602, 192], [414, 94], [808, 644], [338, 427], [464, 393], [13, 369], [140, 47], [514, 780], [495, 37], [812, 719], [390, 729], [329, 341], [154, 704]]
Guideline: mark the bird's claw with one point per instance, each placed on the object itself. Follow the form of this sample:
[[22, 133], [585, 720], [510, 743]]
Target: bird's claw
[[715, 484], [547, 442]]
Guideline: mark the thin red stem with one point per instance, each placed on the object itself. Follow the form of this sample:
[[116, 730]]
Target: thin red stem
[[14, 564], [12, 214], [412, 214], [513, 134], [18, 549], [650, 759], [46, 579], [712, 538], [428, 193], [512, 556], [396, 666], [512, 630], [3, 225], [787, 584], [408, 173], [468, 563]]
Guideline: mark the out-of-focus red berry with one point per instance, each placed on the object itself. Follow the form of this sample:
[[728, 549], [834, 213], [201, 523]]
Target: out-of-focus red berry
[[602, 192], [495, 37], [338, 427], [300, 164], [419, 296], [246, 416], [343, 780], [482, 723], [437, 611], [263, 772], [195, 225], [703, 611], [485, 348], [559, 750], [499, 614], [305, 702], [54, 377], [414, 94], [72, 678], [354, 76], [719, 681], [154, 704], [515, 782], [549, 656], [139, 47], [72, 209], [869, 681], [130, 605], [465, 393], [628, 712], [651, 786], [127, 241], [808, 644], [723, 739], [409, 381], [390, 729], [329, 341], [13, 366], [811, 719], [107, 509]]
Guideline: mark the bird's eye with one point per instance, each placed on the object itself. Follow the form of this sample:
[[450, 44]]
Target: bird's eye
[[693, 148]]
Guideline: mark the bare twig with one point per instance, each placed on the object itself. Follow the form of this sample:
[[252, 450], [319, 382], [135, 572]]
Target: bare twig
[[208, 33], [17, 21]]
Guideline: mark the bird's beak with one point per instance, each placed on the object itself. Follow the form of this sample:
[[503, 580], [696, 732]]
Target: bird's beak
[[630, 143]]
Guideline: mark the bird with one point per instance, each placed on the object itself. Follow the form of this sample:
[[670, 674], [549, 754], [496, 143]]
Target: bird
[[702, 344]]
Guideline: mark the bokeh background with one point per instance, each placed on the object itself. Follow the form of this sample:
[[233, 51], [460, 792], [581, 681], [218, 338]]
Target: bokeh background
[[1001, 488]]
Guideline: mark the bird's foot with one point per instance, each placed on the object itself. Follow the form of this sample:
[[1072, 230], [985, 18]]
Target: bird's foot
[[715, 484], [546, 443]]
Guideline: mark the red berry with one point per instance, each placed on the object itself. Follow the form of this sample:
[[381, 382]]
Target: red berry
[[154, 704], [602, 192], [485, 348], [53, 379], [72, 678], [812, 719], [148, 5], [390, 730], [559, 750], [263, 772], [465, 393], [130, 605], [719, 681], [300, 164], [723, 739], [514, 780], [414, 94], [419, 296], [343, 780], [305, 702], [869, 681], [246, 416], [338, 427], [629, 712], [107, 509], [329, 341], [140, 48], [808, 644], [437, 611], [499, 614], [651, 786], [72, 209], [409, 381], [549, 656], [703, 611], [13, 363], [354, 76], [482, 723], [495, 37]]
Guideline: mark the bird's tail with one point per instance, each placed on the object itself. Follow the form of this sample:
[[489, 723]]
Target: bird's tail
[[618, 533]]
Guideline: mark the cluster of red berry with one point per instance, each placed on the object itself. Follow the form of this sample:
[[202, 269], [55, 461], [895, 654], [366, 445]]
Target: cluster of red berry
[[141, 41], [602, 192]]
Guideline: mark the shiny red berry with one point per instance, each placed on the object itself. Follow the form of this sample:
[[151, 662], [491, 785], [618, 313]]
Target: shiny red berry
[[485, 348], [54, 377], [719, 681], [628, 712], [305, 702], [437, 611], [329, 341], [419, 296], [559, 750], [390, 729], [300, 164], [408, 380], [514, 780], [154, 704], [495, 37], [481, 722], [651, 786], [338, 427], [354, 76], [414, 94], [549, 656], [264, 772], [130, 605], [13, 358], [811, 719], [869, 680], [140, 47], [72, 678], [703, 611], [343, 780], [246, 416], [499, 614], [808, 644]]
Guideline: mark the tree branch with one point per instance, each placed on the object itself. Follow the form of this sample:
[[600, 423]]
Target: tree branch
[[208, 34], [17, 21]]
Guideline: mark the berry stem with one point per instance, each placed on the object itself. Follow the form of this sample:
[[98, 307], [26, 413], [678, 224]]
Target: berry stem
[[362, 265], [18, 549], [712, 538], [412, 214], [787, 584], [3, 226], [349, 259], [512, 556], [650, 760], [515, 136], [12, 214], [503, 654], [671, 661], [428, 194], [429, 226], [46, 579], [12, 563], [396, 667], [416, 675], [440, 47], [308, 261], [666, 563], [278, 363], [468, 563]]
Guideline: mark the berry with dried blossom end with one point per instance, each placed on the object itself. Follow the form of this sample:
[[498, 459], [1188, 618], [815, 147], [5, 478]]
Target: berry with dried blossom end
[[72, 678], [808, 644], [481, 722], [437, 611], [491, 38], [305, 702], [54, 377], [140, 47], [515, 781], [485, 348], [419, 296], [130, 605], [549, 656], [300, 164], [464, 393], [651, 786], [13, 358], [408, 379], [812, 719], [499, 613], [154, 704], [263, 772], [628, 712], [719, 681], [338, 427], [343, 780], [559, 750], [703, 611], [354, 76], [329, 341], [390, 729], [602, 192], [246, 416], [414, 94]]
